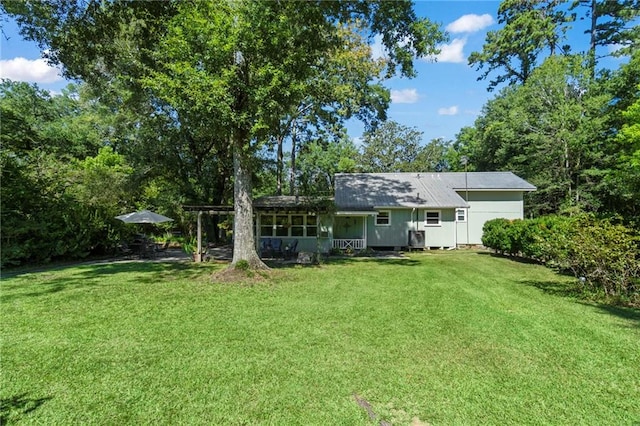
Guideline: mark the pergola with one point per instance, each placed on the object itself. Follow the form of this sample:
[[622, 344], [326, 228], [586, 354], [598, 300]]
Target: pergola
[[279, 203], [210, 210]]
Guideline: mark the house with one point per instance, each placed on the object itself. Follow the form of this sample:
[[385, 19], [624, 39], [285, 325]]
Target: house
[[394, 210], [422, 209]]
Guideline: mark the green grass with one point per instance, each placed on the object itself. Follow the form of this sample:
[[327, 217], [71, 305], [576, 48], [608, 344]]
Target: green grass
[[447, 337]]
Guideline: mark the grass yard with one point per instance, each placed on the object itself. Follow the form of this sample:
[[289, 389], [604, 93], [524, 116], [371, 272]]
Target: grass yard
[[443, 337]]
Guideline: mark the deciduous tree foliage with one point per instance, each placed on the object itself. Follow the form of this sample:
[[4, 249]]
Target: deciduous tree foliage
[[344, 85], [235, 61], [319, 162], [392, 147], [547, 131], [60, 190]]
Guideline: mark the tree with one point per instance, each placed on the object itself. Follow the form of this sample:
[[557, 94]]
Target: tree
[[610, 26], [345, 84], [320, 161], [60, 189], [530, 27], [434, 156], [238, 61], [620, 188], [550, 131], [391, 147]]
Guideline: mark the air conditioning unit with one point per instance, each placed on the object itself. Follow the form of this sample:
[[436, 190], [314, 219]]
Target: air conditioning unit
[[416, 239]]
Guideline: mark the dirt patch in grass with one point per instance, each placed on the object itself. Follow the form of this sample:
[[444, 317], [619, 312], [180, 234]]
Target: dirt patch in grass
[[243, 276]]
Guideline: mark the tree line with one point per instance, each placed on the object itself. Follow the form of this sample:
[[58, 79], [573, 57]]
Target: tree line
[[218, 102]]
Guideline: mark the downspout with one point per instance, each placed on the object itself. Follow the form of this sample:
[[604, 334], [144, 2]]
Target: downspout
[[415, 222], [364, 230], [198, 255], [455, 228]]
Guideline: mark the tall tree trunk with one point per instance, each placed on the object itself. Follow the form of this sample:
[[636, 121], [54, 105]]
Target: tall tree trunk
[[592, 40], [292, 171], [279, 165], [244, 247]]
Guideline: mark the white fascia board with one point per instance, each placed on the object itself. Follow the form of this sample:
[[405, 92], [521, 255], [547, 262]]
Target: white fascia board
[[494, 189], [355, 213]]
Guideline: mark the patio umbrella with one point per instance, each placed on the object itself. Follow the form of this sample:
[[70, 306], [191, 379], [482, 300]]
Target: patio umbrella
[[143, 216]]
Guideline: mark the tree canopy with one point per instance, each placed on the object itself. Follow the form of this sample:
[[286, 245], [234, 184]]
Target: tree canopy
[[236, 66]]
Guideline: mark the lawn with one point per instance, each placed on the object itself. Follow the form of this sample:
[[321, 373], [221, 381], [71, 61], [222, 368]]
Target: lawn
[[443, 337]]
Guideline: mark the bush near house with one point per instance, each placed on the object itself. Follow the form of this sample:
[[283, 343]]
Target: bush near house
[[603, 254]]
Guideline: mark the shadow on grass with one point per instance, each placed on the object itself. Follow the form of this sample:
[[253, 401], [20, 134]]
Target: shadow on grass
[[518, 259], [390, 259], [382, 259], [14, 407], [573, 290], [629, 314], [563, 288], [47, 283]]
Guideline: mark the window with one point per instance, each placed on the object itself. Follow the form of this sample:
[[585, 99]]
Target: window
[[461, 215], [312, 226], [266, 225], [281, 225], [432, 218], [297, 226], [383, 218]]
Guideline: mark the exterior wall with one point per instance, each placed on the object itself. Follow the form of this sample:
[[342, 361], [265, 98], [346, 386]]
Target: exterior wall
[[487, 205], [393, 235], [443, 235], [484, 206], [396, 234]]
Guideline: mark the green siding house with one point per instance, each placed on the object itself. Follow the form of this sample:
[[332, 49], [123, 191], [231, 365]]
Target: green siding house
[[393, 210], [419, 210]]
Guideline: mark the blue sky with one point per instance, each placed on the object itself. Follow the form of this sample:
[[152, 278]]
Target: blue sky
[[445, 96]]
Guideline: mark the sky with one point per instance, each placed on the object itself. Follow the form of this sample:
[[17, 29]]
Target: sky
[[444, 97]]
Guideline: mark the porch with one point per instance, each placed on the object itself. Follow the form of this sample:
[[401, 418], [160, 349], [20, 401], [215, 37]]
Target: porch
[[349, 231], [349, 243]]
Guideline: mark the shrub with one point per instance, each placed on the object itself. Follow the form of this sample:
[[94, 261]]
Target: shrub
[[603, 254], [495, 235]]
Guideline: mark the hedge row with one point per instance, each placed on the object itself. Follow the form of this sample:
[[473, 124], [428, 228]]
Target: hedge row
[[603, 254]]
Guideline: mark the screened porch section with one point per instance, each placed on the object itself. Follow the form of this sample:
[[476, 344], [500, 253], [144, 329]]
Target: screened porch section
[[349, 232], [284, 234]]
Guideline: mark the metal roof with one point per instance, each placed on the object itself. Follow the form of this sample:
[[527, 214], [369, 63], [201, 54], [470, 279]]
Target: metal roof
[[490, 181], [366, 191], [293, 203]]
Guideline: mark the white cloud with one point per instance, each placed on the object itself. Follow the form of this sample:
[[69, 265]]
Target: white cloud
[[405, 96], [452, 52], [32, 71], [452, 110], [470, 23]]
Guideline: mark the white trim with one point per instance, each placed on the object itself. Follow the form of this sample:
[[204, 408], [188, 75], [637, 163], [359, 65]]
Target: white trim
[[349, 243], [424, 206], [439, 218], [465, 213], [274, 227], [494, 189], [388, 212], [355, 213]]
